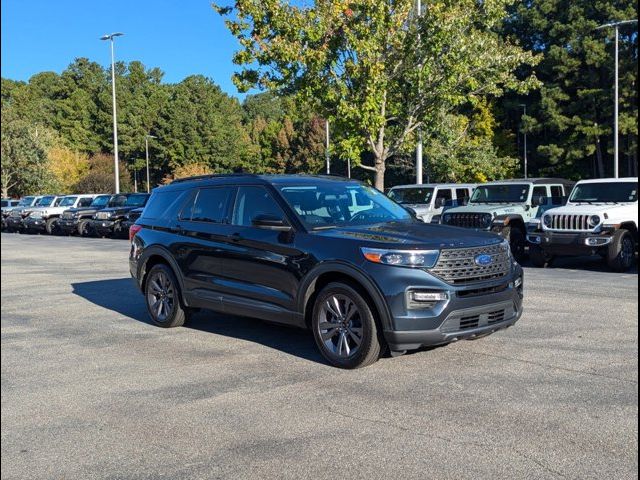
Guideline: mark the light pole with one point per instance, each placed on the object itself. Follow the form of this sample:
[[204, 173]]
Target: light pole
[[524, 132], [419, 145], [616, 25], [146, 149], [327, 158], [115, 119]]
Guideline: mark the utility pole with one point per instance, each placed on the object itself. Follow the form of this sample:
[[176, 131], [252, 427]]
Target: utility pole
[[616, 26], [419, 145], [524, 132], [146, 149], [115, 118], [326, 154]]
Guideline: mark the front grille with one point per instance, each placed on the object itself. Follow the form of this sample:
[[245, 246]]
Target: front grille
[[67, 215], [468, 220], [103, 215], [469, 322], [458, 266], [15, 213], [570, 222], [133, 216]]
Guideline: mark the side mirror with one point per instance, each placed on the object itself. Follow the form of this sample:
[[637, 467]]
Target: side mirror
[[270, 222]]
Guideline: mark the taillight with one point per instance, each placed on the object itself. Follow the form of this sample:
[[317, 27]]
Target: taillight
[[133, 229]]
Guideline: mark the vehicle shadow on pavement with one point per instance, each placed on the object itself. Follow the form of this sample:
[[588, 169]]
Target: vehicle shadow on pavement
[[586, 263], [120, 295]]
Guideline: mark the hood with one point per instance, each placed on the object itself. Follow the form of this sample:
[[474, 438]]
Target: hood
[[591, 209], [412, 235], [492, 208], [83, 209]]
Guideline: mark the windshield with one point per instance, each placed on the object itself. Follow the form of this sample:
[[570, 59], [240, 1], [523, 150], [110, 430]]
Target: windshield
[[136, 200], [605, 192], [415, 195], [45, 201], [506, 193], [26, 201], [118, 201], [100, 201], [342, 204], [67, 201]]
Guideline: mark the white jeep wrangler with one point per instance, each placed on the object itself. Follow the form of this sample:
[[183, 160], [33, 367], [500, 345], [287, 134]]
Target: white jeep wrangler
[[428, 200], [600, 218]]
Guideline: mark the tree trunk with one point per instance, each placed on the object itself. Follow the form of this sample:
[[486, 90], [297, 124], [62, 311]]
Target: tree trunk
[[5, 192], [379, 173]]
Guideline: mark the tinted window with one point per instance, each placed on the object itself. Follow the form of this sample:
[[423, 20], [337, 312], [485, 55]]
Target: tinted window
[[505, 193], [254, 201], [539, 191], [210, 205], [68, 201], [556, 191], [443, 195], [159, 203], [137, 200], [100, 201], [58, 201], [462, 194], [118, 201], [85, 202], [605, 192], [413, 195], [45, 201]]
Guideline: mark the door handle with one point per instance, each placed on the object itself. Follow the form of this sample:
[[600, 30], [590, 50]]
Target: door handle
[[236, 237]]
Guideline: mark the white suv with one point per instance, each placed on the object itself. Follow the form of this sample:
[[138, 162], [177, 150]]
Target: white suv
[[45, 218], [600, 217], [428, 200]]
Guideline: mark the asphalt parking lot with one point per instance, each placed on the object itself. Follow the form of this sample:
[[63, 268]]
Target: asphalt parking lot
[[91, 390]]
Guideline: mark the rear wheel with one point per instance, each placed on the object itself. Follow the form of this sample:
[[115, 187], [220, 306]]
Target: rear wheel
[[344, 327], [162, 294], [539, 258], [515, 237], [621, 251]]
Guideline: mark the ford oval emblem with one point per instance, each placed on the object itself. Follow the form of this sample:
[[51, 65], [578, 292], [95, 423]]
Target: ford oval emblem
[[483, 260]]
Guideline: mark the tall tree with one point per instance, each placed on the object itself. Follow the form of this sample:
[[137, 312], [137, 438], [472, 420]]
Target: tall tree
[[570, 119], [375, 68]]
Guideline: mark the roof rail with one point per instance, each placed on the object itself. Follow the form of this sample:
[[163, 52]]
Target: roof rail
[[212, 175]]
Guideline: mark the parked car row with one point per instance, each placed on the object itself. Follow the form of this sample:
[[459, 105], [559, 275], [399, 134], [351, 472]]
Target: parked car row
[[102, 215], [550, 216]]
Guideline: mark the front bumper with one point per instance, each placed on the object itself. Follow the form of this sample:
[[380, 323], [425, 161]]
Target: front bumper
[[104, 227], [569, 243], [14, 223], [68, 225], [469, 311], [35, 224]]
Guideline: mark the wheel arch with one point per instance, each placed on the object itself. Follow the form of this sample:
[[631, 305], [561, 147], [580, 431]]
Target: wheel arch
[[152, 256], [327, 273]]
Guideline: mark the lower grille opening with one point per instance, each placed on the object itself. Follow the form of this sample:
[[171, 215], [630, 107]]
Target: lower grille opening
[[469, 322], [495, 317], [483, 291]]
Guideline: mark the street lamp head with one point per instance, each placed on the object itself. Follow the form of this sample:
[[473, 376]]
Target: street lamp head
[[111, 36], [616, 24]]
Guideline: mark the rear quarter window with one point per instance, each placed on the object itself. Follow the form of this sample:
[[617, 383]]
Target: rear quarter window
[[160, 203]]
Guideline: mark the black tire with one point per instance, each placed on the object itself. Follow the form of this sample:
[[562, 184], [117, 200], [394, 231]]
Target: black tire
[[83, 226], [621, 252], [333, 340], [50, 226], [162, 286], [539, 258], [517, 241]]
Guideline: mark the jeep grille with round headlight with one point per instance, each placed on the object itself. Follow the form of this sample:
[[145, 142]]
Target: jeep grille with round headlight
[[560, 222]]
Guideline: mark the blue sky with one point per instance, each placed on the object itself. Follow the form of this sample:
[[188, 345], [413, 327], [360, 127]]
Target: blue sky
[[180, 37]]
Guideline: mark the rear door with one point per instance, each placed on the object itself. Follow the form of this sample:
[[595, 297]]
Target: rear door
[[443, 195], [260, 265], [200, 242]]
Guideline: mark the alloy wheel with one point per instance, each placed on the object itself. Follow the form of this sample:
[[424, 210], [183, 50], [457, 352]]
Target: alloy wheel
[[340, 326], [160, 296]]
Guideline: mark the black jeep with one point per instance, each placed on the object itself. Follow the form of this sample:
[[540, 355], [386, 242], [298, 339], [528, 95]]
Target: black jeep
[[108, 221]]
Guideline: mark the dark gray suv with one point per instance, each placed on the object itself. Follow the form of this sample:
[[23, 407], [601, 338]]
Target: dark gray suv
[[332, 255]]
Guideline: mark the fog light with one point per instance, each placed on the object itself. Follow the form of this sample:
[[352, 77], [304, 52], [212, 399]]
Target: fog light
[[535, 239], [428, 296]]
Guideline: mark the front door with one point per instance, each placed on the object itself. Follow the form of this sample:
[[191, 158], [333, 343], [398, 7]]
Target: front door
[[261, 267]]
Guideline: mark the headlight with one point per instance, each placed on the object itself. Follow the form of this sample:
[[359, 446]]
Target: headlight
[[547, 221], [402, 258], [487, 218], [594, 221]]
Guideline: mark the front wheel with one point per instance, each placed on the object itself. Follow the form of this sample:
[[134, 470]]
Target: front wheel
[[51, 226], [83, 228], [539, 258], [344, 327], [162, 293], [621, 251]]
